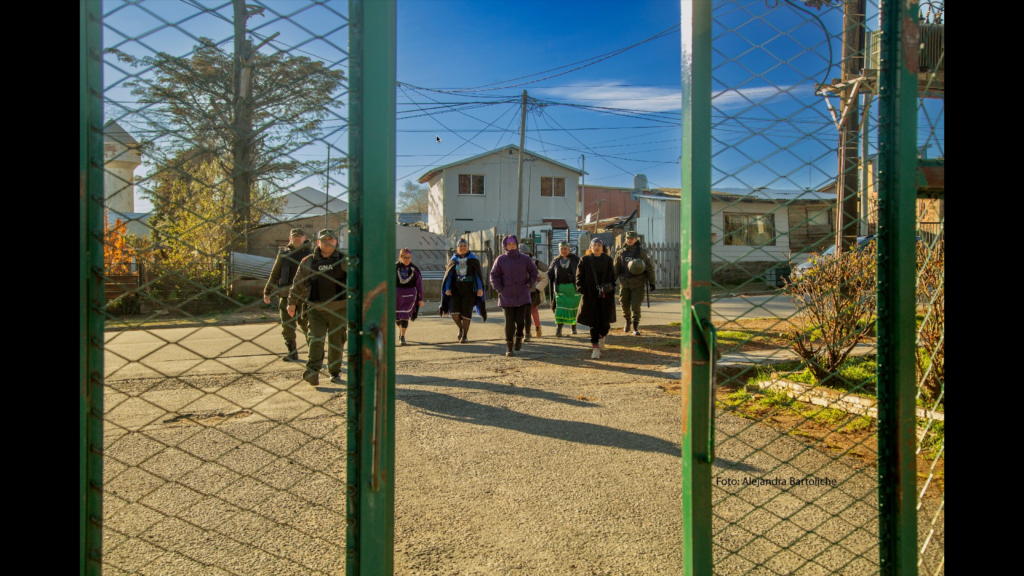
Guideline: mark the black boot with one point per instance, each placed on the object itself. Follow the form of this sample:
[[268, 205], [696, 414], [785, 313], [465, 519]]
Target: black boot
[[313, 378], [519, 344], [636, 328], [625, 329], [574, 329], [558, 331], [508, 351], [293, 352]]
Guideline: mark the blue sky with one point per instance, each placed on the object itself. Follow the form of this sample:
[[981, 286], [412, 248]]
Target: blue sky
[[769, 128]]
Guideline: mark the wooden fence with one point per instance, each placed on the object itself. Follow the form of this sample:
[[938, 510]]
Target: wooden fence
[[665, 257]]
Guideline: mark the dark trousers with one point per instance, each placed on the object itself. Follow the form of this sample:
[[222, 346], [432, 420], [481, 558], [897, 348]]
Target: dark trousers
[[515, 321], [331, 326], [288, 323], [631, 300], [596, 332]]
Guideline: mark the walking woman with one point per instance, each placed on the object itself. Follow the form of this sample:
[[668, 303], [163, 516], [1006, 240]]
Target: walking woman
[[463, 287], [513, 275], [408, 292], [562, 276], [595, 280], [536, 297]]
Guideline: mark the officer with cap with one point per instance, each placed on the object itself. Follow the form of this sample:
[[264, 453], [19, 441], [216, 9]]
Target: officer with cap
[[633, 268], [281, 277], [321, 282]]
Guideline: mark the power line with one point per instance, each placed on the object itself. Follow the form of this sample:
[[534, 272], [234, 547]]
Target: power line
[[596, 59]]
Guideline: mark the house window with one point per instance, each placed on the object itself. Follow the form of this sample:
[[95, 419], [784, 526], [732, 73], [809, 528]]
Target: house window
[[551, 186], [471, 184], [749, 229]]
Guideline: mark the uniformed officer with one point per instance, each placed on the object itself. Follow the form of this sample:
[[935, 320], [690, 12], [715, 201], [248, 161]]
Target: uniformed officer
[[285, 266], [320, 281], [632, 279]]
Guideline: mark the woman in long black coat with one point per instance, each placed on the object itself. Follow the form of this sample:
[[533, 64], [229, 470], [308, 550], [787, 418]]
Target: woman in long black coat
[[598, 309]]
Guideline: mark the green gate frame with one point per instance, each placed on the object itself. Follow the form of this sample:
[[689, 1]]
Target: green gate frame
[[897, 385], [90, 288]]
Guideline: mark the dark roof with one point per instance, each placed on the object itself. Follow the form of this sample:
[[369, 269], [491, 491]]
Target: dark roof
[[557, 223]]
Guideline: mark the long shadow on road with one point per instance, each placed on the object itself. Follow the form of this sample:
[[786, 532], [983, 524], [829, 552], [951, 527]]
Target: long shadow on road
[[460, 410]]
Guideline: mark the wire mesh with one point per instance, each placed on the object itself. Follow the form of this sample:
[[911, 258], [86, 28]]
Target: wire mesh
[[794, 213], [930, 345], [228, 119]]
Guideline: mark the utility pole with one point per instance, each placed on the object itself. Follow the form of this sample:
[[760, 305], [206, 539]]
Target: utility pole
[[522, 142], [849, 130], [583, 192], [241, 178], [327, 186]]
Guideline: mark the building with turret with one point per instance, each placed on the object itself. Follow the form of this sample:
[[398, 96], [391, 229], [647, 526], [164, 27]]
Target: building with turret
[[121, 157]]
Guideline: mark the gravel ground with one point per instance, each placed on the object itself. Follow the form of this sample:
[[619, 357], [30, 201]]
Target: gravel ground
[[547, 463]]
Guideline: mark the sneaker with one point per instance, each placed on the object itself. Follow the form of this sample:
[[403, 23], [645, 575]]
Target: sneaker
[[527, 337], [600, 344], [336, 378], [313, 378], [595, 354], [401, 340], [636, 331], [459, 337]]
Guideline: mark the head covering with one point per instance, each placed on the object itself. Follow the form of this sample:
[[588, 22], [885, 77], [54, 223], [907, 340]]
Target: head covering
[[597, 240], [297, 232], [510, 238], [404, 251], [325, 233], [462, 241], [563, 245], [632, 234]]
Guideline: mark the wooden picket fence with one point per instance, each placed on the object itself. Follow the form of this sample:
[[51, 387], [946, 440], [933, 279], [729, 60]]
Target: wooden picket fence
[[665, 257]]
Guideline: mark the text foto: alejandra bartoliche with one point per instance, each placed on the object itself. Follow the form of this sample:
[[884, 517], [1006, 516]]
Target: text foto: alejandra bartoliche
[[791, 481]]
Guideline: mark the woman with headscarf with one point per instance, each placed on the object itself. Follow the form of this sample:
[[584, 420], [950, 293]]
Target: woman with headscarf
[[408, 292], [562, 277], [462, 286], [513, 275], [595, 281]]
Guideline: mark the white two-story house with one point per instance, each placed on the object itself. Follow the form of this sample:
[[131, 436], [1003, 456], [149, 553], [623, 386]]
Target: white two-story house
[[481, 192]]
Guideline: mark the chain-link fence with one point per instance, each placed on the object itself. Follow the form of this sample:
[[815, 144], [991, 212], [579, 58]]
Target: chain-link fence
[[224, 128], [794, 217]]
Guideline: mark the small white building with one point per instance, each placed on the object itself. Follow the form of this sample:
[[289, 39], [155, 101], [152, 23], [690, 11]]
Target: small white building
[[483, 191], [309, 201], [751, 230]]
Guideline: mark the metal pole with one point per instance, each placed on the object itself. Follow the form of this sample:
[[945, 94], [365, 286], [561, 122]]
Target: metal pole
[[370, 508], [522, 142], [849, 131], [864, 161], [327, 190], [90, 341], [897, 267], [695, 289], [583, 192]]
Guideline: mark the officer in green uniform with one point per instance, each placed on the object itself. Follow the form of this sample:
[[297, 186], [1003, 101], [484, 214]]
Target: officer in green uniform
[[321, 282], [632, 279], [285, 266]]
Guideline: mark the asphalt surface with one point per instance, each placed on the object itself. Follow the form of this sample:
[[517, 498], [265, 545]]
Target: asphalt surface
[[220, 460]]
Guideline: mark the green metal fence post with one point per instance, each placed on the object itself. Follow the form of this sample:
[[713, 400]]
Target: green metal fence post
[[896, 288], [90, 431], [371, 314], [695, 256]]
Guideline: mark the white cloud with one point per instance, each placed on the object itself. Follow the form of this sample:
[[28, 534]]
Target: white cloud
[[653, 99]]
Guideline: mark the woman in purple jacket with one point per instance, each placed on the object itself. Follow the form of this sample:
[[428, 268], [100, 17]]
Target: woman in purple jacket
[[408, 292], [513, 275]]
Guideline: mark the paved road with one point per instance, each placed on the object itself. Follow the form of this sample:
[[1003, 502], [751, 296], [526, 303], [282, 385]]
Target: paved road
[[255, 347], [546, 463]]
